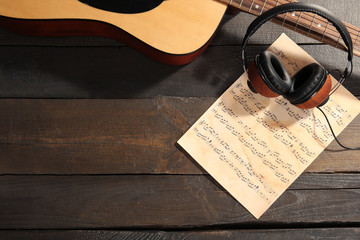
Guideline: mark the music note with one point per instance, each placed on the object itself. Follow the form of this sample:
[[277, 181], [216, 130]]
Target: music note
[[256, 147]]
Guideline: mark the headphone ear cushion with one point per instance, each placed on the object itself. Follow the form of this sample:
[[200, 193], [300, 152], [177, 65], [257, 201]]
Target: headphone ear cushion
[[273, 72], [307, 83]]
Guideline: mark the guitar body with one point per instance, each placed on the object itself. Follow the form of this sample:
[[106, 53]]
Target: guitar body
[[173, 32]]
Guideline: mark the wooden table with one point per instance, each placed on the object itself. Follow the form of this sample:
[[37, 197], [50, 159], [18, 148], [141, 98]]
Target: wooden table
[[88, 129]]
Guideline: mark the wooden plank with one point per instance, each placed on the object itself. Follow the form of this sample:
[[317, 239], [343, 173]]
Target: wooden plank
[[42, 136], [231, 30], [158, 202], [313, 181], [108, 72], [270, 234]]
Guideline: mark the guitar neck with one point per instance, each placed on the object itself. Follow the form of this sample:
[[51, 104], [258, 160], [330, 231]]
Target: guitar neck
[[308, 24]]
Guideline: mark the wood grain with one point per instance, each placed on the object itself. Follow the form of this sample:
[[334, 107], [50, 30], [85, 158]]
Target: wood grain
[[42, 136], [195, 22], [230, 32], [106, 72], [108, 162], [159, 202], [270, 234]]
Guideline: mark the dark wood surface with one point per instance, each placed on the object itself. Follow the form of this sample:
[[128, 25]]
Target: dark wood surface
[[88, 129]]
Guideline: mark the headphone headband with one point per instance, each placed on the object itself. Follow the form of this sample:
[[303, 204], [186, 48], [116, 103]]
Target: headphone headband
[[302, 7]]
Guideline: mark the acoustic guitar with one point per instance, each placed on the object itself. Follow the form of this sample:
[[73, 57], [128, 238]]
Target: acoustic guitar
[[170, 31]]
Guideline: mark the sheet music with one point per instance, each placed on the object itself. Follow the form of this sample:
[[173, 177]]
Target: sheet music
[[255, 147]]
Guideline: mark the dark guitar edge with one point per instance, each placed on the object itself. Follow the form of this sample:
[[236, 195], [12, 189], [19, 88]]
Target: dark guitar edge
[[79, 27]]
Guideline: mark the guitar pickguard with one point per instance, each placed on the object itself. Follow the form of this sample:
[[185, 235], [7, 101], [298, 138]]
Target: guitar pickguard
[[124, 6]]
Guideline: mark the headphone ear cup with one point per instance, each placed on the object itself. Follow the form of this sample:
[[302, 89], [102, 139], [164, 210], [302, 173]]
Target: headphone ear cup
[[267, 75], [311, 87]]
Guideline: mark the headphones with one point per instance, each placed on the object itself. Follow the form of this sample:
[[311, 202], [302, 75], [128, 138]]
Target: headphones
[[310, 87]]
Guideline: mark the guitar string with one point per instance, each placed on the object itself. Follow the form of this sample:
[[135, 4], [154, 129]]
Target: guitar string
[[327, 120], [332, 131], [352, 29], [319, 20], [311, 24], [340, 144], [327, 25], [349, 26]]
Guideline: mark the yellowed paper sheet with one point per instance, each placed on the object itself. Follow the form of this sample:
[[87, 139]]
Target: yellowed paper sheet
[[256, 147]]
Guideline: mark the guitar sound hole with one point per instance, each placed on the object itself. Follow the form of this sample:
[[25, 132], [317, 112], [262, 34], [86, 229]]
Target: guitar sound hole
[[124, 6]]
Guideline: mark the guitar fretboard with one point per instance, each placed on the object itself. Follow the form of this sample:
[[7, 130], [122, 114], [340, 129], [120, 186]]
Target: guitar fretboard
[[308, 24]]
